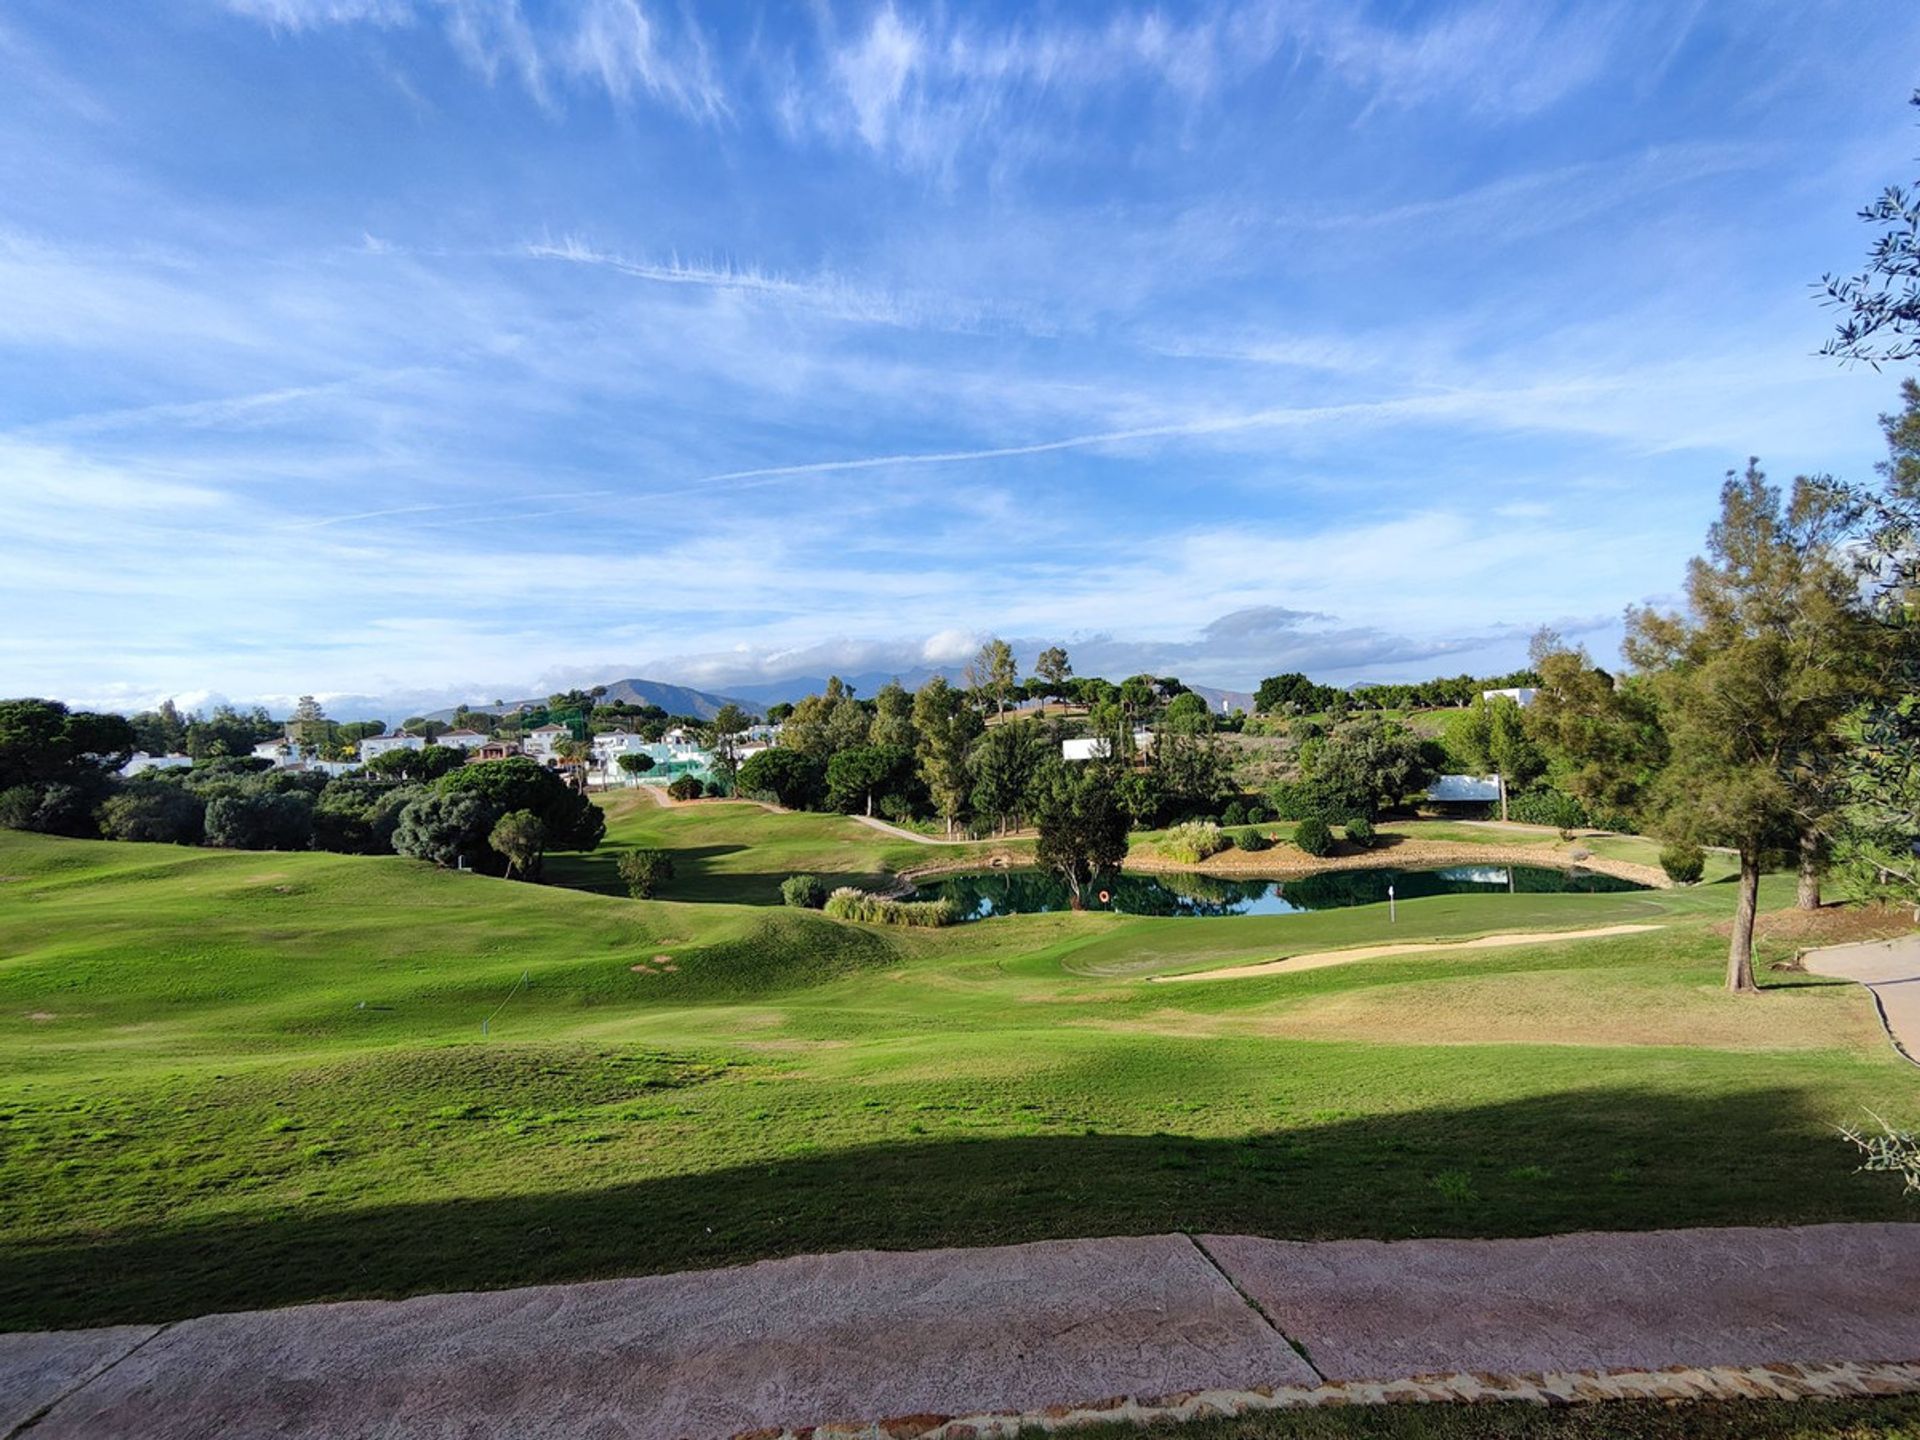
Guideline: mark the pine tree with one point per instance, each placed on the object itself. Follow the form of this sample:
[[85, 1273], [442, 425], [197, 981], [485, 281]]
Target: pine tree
[[1753, 680]]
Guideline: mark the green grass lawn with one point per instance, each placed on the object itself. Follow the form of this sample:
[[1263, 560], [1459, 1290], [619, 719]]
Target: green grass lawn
[[734, 852], [230, 1080]]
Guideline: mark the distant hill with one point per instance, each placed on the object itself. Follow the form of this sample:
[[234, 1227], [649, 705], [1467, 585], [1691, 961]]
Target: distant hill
[[674, 699], [772, 692]]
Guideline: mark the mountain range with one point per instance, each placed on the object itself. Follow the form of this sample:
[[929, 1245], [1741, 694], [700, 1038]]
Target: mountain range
[[674, 699], [772, 692], [754, 698]]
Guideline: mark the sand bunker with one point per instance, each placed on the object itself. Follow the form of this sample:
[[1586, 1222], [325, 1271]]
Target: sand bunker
[[1320, 959]]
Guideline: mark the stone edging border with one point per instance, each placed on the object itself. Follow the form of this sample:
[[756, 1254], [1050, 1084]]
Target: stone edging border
[[1845, 1380]]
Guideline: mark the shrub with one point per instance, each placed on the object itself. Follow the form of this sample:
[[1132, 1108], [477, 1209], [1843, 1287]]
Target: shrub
[[1253, 841], [1257, 815], [1314, 836], [686, 787], [783, 776], [55, 809], [1895, 1152], [715, 789], [1234, 814], [1683, 861], [1360, 832], [1306, 800], [850, 903], [1194, 841], [260, 822], [518, 783], [159, 813], [359, 817], [445, 829], [645, 871], [1547, 807], [803, 892]]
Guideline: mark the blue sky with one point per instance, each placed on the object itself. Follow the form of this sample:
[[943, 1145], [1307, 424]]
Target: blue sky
[[438, 348]]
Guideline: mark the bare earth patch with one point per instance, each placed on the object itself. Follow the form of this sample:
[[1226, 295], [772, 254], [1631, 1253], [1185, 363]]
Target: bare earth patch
[[1319, 959], [40, 1017], [1829, 925], [1541, 1008], [1558, 1010]]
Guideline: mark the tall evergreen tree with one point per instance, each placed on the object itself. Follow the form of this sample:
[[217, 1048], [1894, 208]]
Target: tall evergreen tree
[[947, 725], [1877, 835], [1005, 762], [1753, 679], [992, 674], [1493, 737], [1083, 828]]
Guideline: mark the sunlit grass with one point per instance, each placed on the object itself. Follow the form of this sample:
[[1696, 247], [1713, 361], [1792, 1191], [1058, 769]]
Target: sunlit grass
[[232, 1079]]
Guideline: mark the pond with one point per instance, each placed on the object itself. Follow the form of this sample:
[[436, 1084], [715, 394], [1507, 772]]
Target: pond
[[982, 895]]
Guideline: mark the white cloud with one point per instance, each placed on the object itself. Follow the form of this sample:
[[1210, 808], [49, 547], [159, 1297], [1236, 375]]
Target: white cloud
[[614, 45], [873, 74]]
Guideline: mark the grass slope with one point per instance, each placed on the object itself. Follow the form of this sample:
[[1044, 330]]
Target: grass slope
[[735, 852], [230, 1080]]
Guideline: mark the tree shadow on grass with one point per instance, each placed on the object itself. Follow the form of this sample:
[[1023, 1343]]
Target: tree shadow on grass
[[597, 871], [694, 880], [1599, 1159]]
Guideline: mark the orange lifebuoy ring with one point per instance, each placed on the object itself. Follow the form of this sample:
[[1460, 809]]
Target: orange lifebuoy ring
[[1105, 897]]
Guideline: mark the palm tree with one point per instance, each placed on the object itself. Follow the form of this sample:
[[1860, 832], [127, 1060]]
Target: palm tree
[[575, 754]]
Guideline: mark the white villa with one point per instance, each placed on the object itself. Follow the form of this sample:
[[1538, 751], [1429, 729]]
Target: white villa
[[283, 753], [1464, 790], [670, 759], [1098, 747], [544, 742], [1521, 695], [376, 745], [468, 740], [140, 762]]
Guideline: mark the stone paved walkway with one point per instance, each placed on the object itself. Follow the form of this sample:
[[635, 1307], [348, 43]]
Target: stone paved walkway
[[1891, 970], [900, 1344]]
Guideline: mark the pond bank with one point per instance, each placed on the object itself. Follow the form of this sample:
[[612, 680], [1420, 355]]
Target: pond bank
[[1397, 852], [1287, 862]]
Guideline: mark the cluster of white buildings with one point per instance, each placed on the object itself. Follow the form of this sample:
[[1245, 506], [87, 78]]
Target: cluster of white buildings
[[678, 752]]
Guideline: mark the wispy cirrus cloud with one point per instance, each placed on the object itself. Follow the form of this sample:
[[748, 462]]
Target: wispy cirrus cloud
[[620, 47]]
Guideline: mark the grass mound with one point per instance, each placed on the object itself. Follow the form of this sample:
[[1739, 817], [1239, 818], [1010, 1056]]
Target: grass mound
[[785, 950]]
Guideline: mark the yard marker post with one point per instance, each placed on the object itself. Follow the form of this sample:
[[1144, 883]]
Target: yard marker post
[[1390, 907]]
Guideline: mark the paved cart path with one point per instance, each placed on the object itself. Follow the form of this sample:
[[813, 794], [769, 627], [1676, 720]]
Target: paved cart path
[[1891, 970], [902, 1343]]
